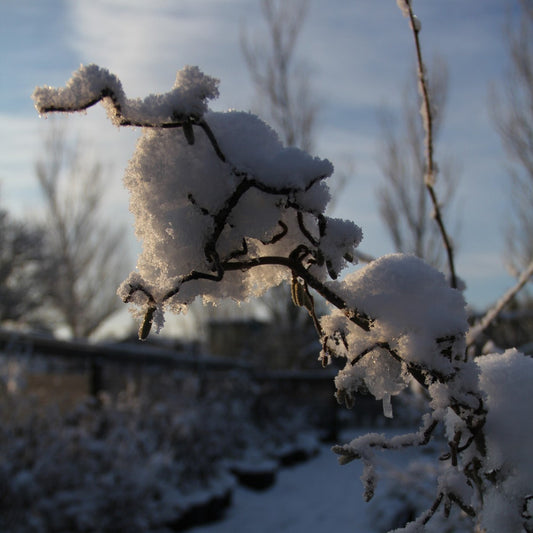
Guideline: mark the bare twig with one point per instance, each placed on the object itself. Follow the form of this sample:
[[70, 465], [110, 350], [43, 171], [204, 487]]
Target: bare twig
[[427, 118], [350, 452], [177, 119], [493, 313]]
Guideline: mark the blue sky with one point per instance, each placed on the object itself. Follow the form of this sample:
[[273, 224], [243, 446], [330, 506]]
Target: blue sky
[[360, 53]]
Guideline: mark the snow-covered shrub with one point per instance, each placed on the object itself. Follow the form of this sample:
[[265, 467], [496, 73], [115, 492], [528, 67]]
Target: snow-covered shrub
[[129, 463], [225, 211]]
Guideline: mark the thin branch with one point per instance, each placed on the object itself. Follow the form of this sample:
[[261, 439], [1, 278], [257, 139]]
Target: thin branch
[[493, 313], [426, 517], [210, 135], [357, 317], [349, 452], [295, 266], [278, 236], [139, 288], [178, 120], [304, 230], [427, 118]]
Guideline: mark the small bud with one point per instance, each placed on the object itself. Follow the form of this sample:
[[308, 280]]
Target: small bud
[[188, 132], [349, 401], [146, 326], [369, 492], [417, 25], [331, 271], [297, 292], [300, 295]]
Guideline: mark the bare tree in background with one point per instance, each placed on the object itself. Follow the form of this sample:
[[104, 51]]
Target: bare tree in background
[[86, 257], [282, 83], [286, 100], [512, 108], [405, 206], [514, 119], [21, 255]]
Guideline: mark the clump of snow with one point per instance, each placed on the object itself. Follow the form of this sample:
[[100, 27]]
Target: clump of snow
[[193, 210], [253, 147], [416, 317], [404, 294], [208, 189], [338, 243], [85, 87], [507, 381], [91, 83]]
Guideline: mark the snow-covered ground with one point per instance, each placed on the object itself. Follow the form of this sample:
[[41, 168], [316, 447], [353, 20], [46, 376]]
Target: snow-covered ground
[[318, 496]]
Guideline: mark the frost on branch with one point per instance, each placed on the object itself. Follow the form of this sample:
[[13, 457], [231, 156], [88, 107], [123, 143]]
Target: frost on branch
[[223, 209], [90, 84], [214, 196], [199, 217], [419, 323], [506, 379]]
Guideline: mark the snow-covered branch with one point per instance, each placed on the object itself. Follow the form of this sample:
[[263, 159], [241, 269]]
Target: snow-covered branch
[[253, 169], [224, 210], [91, 84], [180, 108]]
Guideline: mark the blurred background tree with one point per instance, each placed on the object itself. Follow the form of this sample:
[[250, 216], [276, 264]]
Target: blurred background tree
[[85, 256], [21, 254], [512, 106], [284, 98]]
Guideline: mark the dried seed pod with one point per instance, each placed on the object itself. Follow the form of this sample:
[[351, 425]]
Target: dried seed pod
[[146, 326], [349, 401], [297, 292], [331, 271], [300, 295]]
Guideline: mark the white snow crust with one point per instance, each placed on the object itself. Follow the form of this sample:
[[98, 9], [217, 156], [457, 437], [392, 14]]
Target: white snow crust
[[412, 306], [507, 380], [92, 83]]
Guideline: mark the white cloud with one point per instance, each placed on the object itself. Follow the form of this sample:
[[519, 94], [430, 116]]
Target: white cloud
[[145, 44]]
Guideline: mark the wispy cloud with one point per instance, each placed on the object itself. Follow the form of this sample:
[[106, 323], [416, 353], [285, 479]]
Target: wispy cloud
[[146, 43]]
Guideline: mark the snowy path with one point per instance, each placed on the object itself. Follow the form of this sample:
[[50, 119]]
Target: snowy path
[[319, 496]]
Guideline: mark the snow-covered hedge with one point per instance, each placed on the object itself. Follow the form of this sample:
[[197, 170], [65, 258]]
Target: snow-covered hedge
[[127, 463]]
